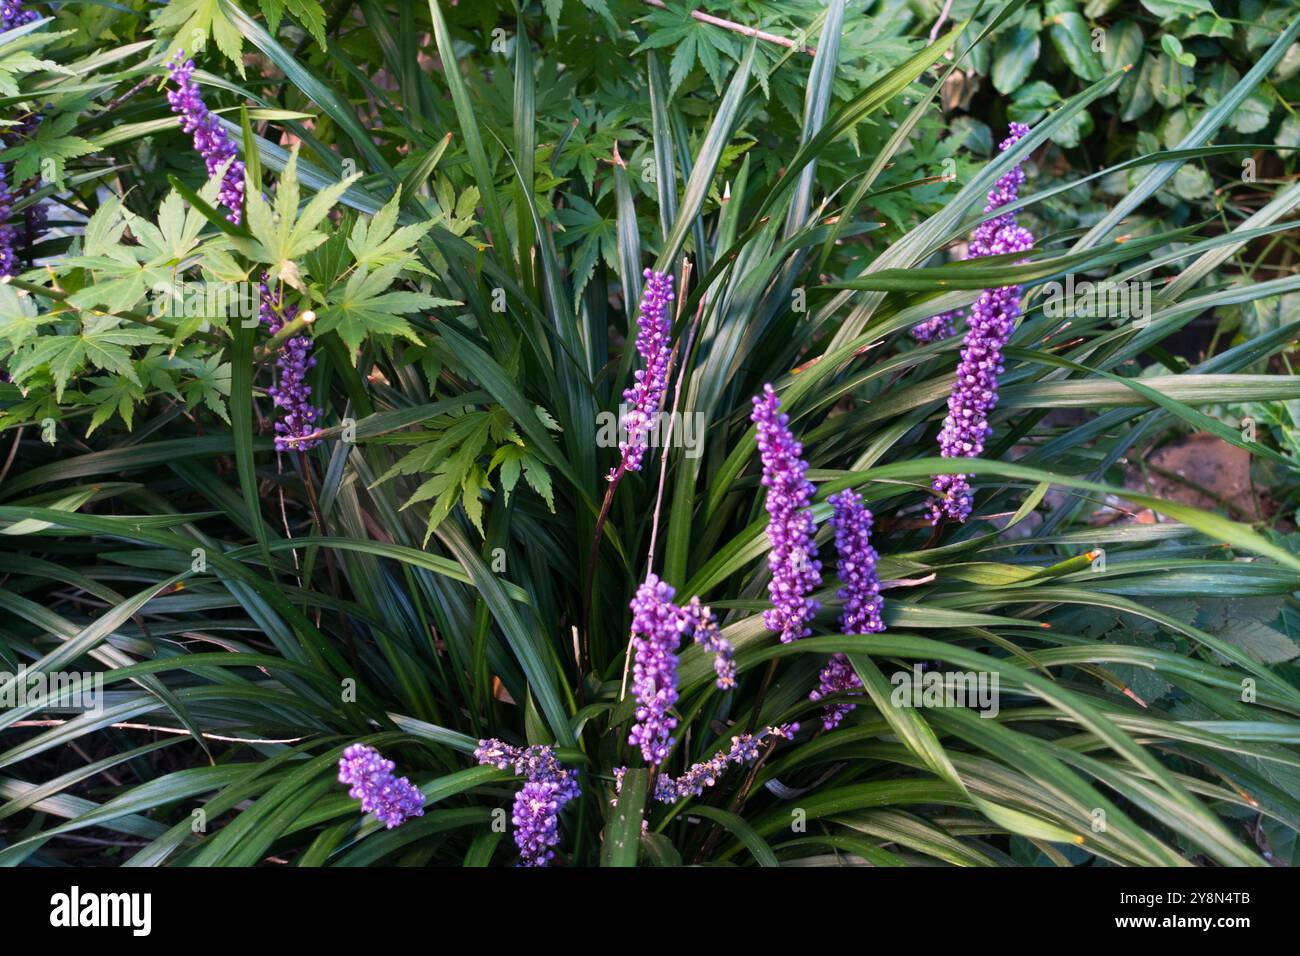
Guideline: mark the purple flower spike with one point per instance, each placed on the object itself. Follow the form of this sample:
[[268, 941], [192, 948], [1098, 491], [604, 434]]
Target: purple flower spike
[[537, 823], [654, 343], [975, 391], [394, 800], [291, 393], [796, 572], [992, 320], [8, 259], [547, 788], [657, 628], [860, 594], [937, 327], [14, 14], [744, 749], [704, 623], [210, 137], [857, 566], [837, 677], [1004, 192]]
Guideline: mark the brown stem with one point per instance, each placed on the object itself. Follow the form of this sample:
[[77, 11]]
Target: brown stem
[[13, 450], [585, 659], [740, 28], [114, 104]]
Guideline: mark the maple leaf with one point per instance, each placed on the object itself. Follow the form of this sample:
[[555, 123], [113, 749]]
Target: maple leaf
[[376, 241], [192, 21], [281, 233], [46, 151], [365, 307]]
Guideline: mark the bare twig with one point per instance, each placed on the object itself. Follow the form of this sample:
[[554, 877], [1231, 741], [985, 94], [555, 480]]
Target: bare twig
[[169, 730], [114, 104], [938, 24], [740, 28], [13, 450]]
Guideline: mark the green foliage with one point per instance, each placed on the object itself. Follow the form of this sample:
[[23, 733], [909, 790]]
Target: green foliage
[[462, 248]]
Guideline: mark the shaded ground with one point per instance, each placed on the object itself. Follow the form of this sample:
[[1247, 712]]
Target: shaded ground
[[1206, 472]]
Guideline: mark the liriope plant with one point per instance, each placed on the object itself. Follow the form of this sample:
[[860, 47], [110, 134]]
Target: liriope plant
[[667, 652]]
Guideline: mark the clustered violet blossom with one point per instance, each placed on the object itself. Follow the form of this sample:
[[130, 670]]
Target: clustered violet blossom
[[14, 14], [857, 565], [548, 786], [860, 594], [1005, 191], [291, 393], [654, 343], [837, 677], [744, 749], [394, 800], [937, 327], [210, 137], [992, 320], [658, 626], [8, 258], [704, 625], [796, 572]]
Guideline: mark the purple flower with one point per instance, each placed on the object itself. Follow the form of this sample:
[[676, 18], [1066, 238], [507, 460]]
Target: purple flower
[[704, 623], [1004, 192], [837, 677], [394, 800], [936, 327], [547, 788], [291, 393], [744, 749], [35, 215], [992, 320], [975, 391], [860, 594], [8, 259], [796, 572], [857, 565], [14, 14], [654, 343], [657, 628], [210, 137], [537, 823]]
